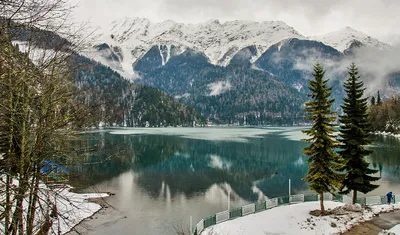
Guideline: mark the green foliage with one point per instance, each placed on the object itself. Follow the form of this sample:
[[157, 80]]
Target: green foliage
[[354, 135], [323, 160]]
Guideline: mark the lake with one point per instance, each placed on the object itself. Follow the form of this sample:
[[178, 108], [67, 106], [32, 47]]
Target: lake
[[163, 176]]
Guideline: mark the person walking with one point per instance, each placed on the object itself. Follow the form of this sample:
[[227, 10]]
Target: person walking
[[389, 197]]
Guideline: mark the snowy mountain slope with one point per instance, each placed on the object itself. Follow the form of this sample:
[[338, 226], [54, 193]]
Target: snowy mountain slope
[[125, 42], [342, 39], [219, 42]]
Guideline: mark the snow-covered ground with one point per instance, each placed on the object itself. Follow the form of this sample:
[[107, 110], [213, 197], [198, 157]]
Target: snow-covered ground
[[343, 38], [295, 219], [395, 229], [72, 208], [386, 134]]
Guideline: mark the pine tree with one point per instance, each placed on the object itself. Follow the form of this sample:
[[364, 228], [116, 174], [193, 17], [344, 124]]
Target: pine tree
[[323, 160], [373, 102], [379, 100], [354, 137]]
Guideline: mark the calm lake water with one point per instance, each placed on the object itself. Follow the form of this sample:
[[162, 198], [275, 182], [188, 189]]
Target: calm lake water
[[161, 177]]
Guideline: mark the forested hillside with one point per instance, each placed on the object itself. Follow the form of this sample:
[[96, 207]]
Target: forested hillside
[[385, 114], [116, 101], [112, 99]]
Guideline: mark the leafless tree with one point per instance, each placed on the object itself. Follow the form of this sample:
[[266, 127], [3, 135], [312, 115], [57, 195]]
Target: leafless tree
[[38, 109]]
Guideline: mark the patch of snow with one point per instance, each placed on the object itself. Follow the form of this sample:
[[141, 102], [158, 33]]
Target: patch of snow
[[218, 88], [282, 43], [186, 95], [342, 39], [395, 229], [295, 133], [255, 67], [168, 53], [123, 67], [384, 133], [259, 192], [298, 86], [162, 55], [259, 51], [38, 55]]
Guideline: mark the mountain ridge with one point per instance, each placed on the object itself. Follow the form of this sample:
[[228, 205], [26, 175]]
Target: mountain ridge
[[129, 39]]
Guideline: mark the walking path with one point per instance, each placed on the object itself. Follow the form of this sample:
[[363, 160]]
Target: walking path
[[377, 224]]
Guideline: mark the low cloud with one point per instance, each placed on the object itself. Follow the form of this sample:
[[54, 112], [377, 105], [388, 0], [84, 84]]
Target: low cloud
[[375, 67], [218, 88], [310, 17]]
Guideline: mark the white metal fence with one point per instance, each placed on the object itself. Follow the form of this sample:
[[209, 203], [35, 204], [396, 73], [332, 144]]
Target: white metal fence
[[200, 226], [296, 198], [373, 200], [271, 203], [222, 216], [327, 197], [248, 209]]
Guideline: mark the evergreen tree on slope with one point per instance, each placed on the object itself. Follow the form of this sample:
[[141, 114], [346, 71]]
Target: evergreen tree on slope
[[354, 137], [323, 160]]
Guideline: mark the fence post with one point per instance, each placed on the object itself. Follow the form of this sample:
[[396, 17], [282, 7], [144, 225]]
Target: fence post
[[229, 200]]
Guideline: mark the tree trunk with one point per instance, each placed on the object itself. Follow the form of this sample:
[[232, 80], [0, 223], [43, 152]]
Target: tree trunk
[[321, 202], [33, 201], [354, 196], [8, 207]]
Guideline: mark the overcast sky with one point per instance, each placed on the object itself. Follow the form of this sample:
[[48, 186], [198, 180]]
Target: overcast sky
[[378, 18]]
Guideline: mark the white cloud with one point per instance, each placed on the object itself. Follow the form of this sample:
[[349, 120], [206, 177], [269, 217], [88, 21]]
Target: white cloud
[[220, 87], [309, 17]]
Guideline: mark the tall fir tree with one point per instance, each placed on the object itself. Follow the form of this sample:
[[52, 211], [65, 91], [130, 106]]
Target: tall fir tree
[[373, 102], [354, 135], [379, 100], [323, 160]]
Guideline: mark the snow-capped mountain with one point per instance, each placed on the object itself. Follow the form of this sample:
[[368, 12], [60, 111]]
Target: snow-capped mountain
[[131, 44], [342, 39], [131, 38]]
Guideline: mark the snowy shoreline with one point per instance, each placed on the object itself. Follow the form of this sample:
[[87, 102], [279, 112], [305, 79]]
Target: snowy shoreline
[[295, 219], [76, 207], [386, 134], [71, 208]]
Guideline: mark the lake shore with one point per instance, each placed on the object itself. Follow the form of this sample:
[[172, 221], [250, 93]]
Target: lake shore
[[105, 216], [386, 134]]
